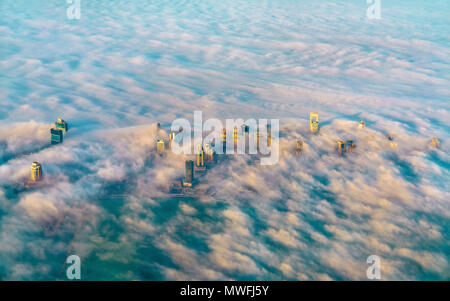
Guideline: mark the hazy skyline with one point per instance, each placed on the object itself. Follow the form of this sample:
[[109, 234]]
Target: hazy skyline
[[126, 65]]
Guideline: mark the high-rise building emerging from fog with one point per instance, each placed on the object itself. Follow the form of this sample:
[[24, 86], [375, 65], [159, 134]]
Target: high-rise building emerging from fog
[[201, 157], [200, 165], [171, 139], [209, 152], [56, 135], [314, 122], [189, 178], [435, 142], [224, 140], [345, 146], [299, 147], [62, 125], [341, 147], [36, 172], [160, 146], [349, 146], [257, 138]]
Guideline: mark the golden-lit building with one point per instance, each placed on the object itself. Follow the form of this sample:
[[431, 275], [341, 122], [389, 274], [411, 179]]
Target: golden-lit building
[[345, 146], [160, 146], [435, 142], [56, 135], [209, 152], [269, 135], [61, 124], [235, 136], [341, 147], [200, 157], [362, 124], [36, 172], [200, 162], [257, 139], [314, 122], [171, 139], [224, 140]]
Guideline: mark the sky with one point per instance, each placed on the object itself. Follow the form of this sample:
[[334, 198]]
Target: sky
[[124, 66]]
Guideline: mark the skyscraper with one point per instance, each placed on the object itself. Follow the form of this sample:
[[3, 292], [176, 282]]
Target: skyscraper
[[224, 140], [200, 157], [56, 135], [299, 147], [36, 172], [235, 136], [189, 178], [171, 138], [257, 139], [362, 124], [209, 152], [341, 147], [349, 146], [61, 124], [269, 135], [200, 164], [314, 122], [435, 142], [160, 146]]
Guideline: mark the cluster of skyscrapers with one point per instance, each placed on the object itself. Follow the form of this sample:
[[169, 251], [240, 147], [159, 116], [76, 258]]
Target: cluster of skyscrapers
[[206, 155], [56, 137], [345, 146]]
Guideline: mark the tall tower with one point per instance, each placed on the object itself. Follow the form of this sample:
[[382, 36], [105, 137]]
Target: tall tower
[[61, 124], [200, 157], [341, 147], [160, 146], [349, 146], [314, 122], [435, 142], [36, 172], [189, 178], [257, 139], [56, 135], [362, 124], [298, 147], [235, 136], [224, 140], [171, 138], [269, 135]]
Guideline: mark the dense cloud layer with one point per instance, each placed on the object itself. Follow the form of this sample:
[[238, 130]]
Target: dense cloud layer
[[125, 66]]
